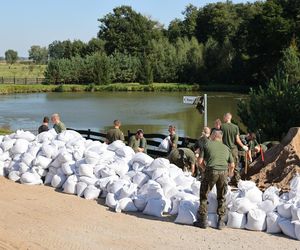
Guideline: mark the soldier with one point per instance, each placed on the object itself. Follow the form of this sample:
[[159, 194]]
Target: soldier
[[138, 142], [183, 158], [173, 138], [44, 127], [59, 126], [216, 160], [231, 138], [115, 133]]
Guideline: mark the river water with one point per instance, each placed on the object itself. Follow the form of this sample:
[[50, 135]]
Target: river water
[[151, 111]]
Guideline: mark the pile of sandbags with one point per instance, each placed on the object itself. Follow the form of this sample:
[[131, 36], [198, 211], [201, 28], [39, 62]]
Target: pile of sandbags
[[132, 182]]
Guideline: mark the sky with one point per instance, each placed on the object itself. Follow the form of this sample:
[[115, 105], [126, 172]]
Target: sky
[[40, 22]]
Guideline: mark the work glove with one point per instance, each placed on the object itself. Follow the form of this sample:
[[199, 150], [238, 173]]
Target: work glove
[[245, 148]]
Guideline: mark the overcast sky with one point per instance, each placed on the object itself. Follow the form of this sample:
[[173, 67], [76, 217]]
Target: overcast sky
[[40, 22]]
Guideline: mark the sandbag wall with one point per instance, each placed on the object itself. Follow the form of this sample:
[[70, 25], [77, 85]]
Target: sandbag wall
[[137, 182]]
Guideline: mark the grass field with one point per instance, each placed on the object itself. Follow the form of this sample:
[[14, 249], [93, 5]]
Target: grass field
[[19, 70]]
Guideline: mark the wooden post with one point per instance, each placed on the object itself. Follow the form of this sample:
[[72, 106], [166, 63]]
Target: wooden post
[[88, 134]]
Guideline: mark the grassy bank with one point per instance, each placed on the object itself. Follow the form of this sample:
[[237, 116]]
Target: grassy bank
[[20, 70], [155, 87]]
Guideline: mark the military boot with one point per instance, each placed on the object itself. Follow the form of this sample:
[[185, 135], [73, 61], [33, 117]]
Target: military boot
[[221, 224], [201, 222]]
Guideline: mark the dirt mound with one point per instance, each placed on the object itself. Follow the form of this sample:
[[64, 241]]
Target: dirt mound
[[280, 165]]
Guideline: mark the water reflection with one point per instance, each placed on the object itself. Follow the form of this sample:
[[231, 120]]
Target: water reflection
[[152, 112]]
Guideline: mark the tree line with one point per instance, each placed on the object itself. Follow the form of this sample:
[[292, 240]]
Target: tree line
[[217, 43]]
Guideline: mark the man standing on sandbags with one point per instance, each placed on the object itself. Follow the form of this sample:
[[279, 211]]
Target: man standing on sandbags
[[216, 160], [231, 138], [59, 126], [115, 133]]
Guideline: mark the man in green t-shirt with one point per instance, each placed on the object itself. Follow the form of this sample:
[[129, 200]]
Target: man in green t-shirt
[[216, 159], [138, 142], [59, 126], [173, 138], [183, 158], [231, 138], [115, 133]]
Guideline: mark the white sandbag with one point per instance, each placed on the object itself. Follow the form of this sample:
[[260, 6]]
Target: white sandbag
[[2, 170], [236, 220], [78, 154], [49, 151], [60, 145], [242, 205], [288, 228], [69, 186], [212, 203], [91, 192], [110, 200], [102, 183], [140, 179], [175, 205], [125, 205], [254, 195], [126, 152], [136, 166], [23, 168], [159, 163], [114, 146], [212, 220], [68, 168], [128, 191], [95, 146], [165, 144], [42, 161], [187, 212], [46, 136], [295, 211], [165, 180], [256, 220], [20, 146], [268, 205], [39, 171], [4, 156], [8, 144], [27, 158], [30, 179], [295, 187], [297, 229], [196, 188], [14, 175], [246, 185], [174, 171], [141, 158], [80, 187], [91, 157], [58, 180], [168, 205], [284, 210], [140, 202], [184, 181], [86, 170], [273, 223], [270, 192], [106, 171], [48, 178], [116, 186], [152, 190], [159, 172], [155, 207], [120, 166], [68, 135], [88, 180], [170, 191], [64, 156], [34, 149], [24, 135]]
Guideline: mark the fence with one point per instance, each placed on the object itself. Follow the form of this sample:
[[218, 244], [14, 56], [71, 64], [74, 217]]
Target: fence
[[18, 80], [153, 140]]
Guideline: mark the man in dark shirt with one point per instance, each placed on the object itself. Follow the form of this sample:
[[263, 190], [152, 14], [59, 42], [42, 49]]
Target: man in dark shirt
[[115, 133], [44, 127]]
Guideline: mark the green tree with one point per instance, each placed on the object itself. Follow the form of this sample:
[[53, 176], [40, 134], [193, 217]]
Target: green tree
[[281, 95], [38, 54], [95, 45], [127, 31], [11, 56]]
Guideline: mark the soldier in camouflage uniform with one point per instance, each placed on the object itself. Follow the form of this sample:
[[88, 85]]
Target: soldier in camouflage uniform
[[216, 159], [115, 133]]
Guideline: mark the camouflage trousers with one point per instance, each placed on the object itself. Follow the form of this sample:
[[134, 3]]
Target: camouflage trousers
[[236, 173], [212, 177]]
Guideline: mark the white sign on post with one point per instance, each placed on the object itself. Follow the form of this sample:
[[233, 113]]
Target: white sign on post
[[189, 99]]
